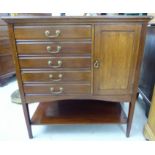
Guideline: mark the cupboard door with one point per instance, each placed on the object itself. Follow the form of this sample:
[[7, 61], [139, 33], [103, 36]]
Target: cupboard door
[[115, 57]]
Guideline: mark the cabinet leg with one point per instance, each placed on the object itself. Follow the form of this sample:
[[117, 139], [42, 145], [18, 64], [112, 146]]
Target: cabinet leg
[[130, 115], [27, 119], [131, 112]]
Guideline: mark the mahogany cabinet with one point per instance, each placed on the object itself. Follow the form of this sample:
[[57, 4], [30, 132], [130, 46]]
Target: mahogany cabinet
[[7, 68], [80, 69]]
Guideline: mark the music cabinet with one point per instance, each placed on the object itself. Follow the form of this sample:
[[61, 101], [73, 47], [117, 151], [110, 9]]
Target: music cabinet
[[79, 68]]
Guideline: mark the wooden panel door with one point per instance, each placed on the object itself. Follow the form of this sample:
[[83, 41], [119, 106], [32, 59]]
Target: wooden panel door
[[115, 57]]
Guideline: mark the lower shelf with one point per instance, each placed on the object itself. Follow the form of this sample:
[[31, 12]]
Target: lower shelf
[[78, 112]]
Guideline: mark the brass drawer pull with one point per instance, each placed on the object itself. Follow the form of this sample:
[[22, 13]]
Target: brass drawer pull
[[57, 50], [57, 34], [58, 79], [53, 92], [59, 64], [96, 64]]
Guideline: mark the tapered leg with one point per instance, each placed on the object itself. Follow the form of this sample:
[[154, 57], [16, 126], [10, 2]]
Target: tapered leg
[[130, 114], [27, 119]]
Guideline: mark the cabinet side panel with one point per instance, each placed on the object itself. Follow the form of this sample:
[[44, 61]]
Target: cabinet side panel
[[15, 56]]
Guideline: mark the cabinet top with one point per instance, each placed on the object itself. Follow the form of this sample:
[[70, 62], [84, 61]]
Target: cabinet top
[[75, 19]]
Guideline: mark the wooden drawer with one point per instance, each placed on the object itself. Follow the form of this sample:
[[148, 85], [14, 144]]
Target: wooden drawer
[[65, 32], [55, 77], [4, 31], [53, 48], [54, 63], [57, 89]]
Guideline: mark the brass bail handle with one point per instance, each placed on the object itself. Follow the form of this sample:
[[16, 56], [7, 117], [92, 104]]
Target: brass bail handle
[[59, 78], [49, 49], [96, 64], [59, 64], [52, 89], [57, 34]]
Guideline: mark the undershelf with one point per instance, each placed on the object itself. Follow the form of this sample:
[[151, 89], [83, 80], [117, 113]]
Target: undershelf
[[78, 112]]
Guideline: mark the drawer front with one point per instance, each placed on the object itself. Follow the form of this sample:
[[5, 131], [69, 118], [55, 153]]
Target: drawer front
[[53, 48], [56, 77], [54, 63], [53, 32], [4, 31], [60, 89]]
